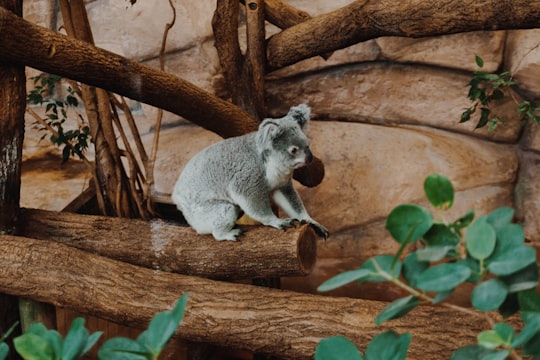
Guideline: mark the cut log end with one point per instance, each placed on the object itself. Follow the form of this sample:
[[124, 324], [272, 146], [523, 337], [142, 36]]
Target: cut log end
[[307, 250]]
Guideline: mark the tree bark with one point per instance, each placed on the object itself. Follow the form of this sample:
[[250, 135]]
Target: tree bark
[[12, 107], [369, 19], [260, 252], [25, 43], [270, 321]]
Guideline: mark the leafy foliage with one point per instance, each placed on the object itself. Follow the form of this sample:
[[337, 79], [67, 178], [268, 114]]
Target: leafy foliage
[[492, 254], [74, 141], [486, 89], [39, 343]]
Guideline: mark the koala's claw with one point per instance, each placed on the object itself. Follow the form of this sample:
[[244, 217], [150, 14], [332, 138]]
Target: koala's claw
[[319, 229]]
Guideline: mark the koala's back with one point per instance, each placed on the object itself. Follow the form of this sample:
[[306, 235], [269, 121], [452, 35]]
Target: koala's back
[[213, 172]]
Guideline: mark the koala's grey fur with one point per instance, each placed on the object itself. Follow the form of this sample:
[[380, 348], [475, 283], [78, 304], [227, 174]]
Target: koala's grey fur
[[241, 175]]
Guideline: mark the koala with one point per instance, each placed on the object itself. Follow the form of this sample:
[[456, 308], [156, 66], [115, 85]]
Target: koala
[[242, 174]]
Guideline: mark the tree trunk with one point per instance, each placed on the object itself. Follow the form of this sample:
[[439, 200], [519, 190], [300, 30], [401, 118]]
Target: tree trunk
[[369, 19], [261, 251], [270, 321], [25, 43], [12, 107]]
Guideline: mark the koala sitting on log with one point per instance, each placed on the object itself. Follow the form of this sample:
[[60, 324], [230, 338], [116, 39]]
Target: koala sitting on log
[[241, 174]]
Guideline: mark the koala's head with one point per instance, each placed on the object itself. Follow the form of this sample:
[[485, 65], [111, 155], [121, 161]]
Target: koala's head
[[283, 139]]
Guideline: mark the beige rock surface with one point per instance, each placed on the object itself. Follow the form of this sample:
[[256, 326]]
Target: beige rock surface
[[369, 169], [522, 58], [384, 93]]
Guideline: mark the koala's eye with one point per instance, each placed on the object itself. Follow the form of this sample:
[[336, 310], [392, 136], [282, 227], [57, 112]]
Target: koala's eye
[[293, 150]]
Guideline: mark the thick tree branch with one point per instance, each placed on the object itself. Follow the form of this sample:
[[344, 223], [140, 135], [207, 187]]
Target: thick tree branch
[[368, 19], [25, 43], [260, 252], [283, 323]]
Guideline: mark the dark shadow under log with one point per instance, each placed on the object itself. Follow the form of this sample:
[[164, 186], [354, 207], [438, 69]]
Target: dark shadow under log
[[261, 251]]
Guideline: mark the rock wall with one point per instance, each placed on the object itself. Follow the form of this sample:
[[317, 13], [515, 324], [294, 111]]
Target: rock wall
[[386, 114]]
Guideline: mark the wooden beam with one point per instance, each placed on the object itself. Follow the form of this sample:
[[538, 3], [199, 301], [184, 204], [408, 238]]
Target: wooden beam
[[271, 321], [260, 252], [369, 19]]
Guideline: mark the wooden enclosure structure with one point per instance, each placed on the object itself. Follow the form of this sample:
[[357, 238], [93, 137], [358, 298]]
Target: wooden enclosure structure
[[127, 270]]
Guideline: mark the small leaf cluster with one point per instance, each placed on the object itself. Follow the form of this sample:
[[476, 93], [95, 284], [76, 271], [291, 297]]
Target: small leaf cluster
[[486, 88], [492, 254], [74, 141], [39, 343]]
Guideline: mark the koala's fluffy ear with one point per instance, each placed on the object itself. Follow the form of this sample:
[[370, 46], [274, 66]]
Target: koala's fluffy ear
[[301, 113], [268, 130]]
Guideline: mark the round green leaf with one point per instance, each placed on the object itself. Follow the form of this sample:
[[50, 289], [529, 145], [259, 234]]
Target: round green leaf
[[388, 346], [412, 268], [4, 351], [512, 260], [480, 239], [490, 339], [343, 279], [33, 347], [408, 223], [439, 191], [120, 348], [489, 295], [443, 277], [337, 348]]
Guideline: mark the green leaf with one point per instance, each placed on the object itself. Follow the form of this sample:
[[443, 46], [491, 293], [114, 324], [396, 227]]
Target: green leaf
[[484, 116], [500, 217], [92, 340], [531, 328], [480, 239], [343, 279], [532, 347], [463, 221], [439, 191], [443, 277], [510, 306], [489, 295], [479, 61], [412, 268], [408, 223], [524, 279], [33, 347], [509, 236], [490, 339], [381, 268], [529, 300], [388, 346], [4, 351], [440, 235], [497, 355], [337, 348], [512, 261], [397, 309], [434, 253], [162, 327], [441, 296], [120, 348], [505, 331], [471, 352], [75, 340]]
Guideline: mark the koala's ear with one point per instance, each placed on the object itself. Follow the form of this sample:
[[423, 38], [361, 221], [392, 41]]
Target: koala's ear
[[268, 131], [301, 113]]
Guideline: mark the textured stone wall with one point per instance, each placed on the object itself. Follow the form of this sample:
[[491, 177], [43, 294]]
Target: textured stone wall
[[386, 115]]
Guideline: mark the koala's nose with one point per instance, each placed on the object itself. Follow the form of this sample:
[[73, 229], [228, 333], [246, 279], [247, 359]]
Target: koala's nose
[[309, 156]]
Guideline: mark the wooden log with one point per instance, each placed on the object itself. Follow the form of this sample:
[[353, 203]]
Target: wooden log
[[369, 19], [25, 43], [261, 251], [271, 321]]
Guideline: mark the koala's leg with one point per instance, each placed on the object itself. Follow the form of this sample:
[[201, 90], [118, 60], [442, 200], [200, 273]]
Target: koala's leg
[[260, 209], [217, 218]]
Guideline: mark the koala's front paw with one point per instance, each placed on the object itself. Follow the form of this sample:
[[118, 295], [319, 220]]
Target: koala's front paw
[[285, 223], [319, 229]]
